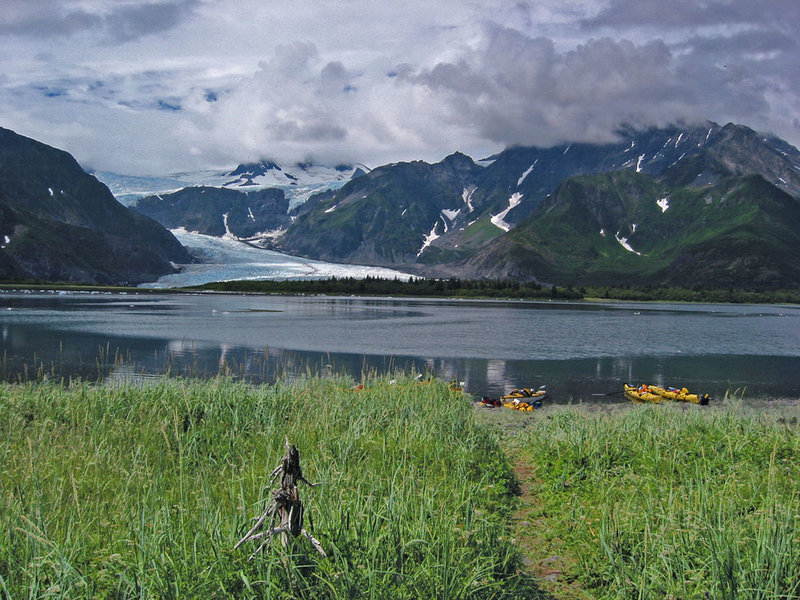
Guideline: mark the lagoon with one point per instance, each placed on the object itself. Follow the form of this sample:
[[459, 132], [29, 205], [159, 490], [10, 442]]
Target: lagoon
[[577, 349]]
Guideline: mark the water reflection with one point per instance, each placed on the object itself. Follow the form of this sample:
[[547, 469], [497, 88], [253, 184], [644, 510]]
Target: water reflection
[[574, 380], [579, 351]]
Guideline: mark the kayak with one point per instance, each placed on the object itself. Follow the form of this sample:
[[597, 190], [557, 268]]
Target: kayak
[[640, 395], [656, 394], [524, 399], [680, 395]]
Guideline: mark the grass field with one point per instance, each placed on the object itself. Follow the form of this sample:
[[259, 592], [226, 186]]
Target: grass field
[[124, 490], [665, 501]]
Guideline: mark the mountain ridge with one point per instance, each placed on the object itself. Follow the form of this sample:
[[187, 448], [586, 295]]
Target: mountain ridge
[[445, 237], [59, 223], [707, 205], [219, 211]]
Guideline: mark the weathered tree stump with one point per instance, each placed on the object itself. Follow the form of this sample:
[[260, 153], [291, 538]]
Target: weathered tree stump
[[286, 506]]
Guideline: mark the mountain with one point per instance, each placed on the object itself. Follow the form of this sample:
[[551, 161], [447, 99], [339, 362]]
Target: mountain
[[378, 218], [727, 215], [59, 223], [706, 205], [219, 211], [538, 213], [630, 227], [298, 181], [267, 173]]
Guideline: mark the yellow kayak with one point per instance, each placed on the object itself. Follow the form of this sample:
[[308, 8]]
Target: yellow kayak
[[680, 395], [655, 394], [524, 399], [641, 394]]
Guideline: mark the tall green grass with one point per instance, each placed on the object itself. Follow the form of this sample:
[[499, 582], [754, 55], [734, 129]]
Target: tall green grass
[[668, 501], [141, 491]]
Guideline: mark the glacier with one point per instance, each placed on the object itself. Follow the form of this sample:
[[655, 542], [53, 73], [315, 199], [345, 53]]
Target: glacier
[[222, 259]]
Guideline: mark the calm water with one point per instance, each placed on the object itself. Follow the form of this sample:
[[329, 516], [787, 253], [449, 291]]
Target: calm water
[[576, 349]]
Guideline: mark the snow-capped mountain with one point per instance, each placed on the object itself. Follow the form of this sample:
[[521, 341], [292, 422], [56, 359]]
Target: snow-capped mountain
[[661, 205], [298, 181], [684, 206]]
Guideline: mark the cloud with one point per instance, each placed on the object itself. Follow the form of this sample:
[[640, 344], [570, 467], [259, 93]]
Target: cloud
[[691, 15], [46, 18], [518, 89], [209, 83], [129, 22], [672, 14], [118, 22]]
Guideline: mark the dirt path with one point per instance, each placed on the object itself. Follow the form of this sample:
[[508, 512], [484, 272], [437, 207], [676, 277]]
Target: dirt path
[[542, 554]]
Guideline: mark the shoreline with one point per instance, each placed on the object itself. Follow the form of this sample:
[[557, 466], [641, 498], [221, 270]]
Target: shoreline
[[315, 287]]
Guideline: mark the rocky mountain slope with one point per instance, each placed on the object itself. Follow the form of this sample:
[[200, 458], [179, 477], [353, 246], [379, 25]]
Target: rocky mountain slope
[[624, 227], [710, 206], [59, 223], [380, 217], [726, 214], [538, 213], [219, 211]]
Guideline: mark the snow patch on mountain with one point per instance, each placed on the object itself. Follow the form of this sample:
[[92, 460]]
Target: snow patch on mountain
[[663, 204], [228, 233], [429, 239], [466, 196], [623, 241], [526, 173], [498, 220]]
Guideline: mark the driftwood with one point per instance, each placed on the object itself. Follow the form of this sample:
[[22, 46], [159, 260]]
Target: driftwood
[[286, 507]]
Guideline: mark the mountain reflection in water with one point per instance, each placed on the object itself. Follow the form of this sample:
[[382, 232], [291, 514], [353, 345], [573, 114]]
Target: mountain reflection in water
[[576, 349]]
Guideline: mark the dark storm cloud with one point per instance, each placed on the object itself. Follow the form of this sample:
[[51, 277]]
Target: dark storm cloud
[[122, 22]]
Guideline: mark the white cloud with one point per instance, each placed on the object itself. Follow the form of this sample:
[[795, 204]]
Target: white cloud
[[195, 83]]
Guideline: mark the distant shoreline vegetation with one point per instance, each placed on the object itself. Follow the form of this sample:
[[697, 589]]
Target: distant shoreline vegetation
[[453, 287]]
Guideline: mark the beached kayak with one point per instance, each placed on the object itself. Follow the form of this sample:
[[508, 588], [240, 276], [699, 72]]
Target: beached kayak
[[655, 394], [524, 399]]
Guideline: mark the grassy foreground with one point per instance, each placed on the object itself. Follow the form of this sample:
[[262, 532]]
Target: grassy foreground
[[664, 501], [122, 491]]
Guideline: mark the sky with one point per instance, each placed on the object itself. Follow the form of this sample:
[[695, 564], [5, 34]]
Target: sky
[[144, 87]]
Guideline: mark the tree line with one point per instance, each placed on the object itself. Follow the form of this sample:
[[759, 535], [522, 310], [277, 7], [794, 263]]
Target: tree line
[[455, 287]]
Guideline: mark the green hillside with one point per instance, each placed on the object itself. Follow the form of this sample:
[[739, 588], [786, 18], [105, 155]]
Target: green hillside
[[738, 232]]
